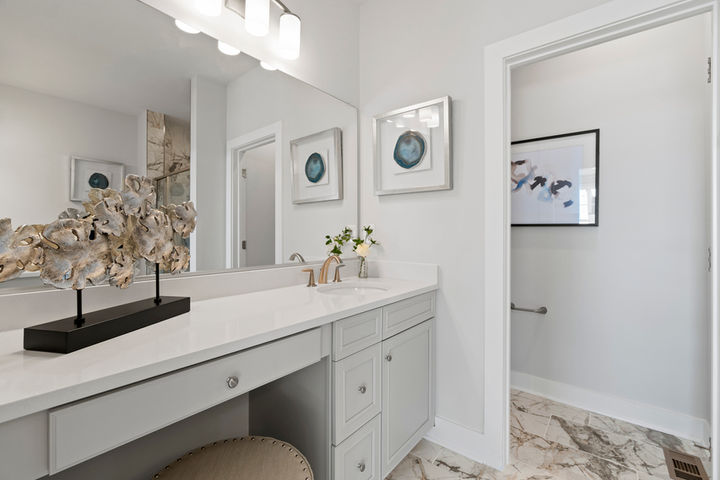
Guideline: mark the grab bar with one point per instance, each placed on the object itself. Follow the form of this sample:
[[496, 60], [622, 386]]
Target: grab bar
[[541, 310]]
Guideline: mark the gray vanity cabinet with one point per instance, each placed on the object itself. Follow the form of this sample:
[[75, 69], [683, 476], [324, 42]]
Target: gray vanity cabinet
[[384, 387], [406, 392]]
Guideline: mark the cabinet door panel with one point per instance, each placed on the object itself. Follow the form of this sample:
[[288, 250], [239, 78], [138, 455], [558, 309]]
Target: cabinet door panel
[[407, 399], [357, 391]]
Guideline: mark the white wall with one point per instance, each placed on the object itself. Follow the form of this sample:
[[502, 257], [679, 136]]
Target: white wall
[[38, 133], [207, 173], [261, 98], [415, 50], [628, 300]]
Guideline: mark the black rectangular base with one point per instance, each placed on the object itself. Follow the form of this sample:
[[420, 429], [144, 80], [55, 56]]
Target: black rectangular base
[[64, 336]]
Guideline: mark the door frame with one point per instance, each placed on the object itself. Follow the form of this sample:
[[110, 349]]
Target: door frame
[[615, 19], [235, 148]]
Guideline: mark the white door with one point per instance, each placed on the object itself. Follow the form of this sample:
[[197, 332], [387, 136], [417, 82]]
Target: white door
[[258, 176], [407, 403]]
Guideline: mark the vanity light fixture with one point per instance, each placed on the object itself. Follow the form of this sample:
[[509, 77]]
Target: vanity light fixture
[[210, 8], [289, 36], [186, 28], [267, 66], [257, 22], [257, 17], [228, 49]]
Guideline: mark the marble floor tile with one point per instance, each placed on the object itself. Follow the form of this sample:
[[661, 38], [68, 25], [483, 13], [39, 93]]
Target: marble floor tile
[[528, 421], [426, 450], [534, 404], [550, 440], [559, 459], [648, 435], [647, 459]]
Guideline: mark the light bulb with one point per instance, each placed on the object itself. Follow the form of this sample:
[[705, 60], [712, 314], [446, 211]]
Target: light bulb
[[227, 49], [409, 115], [257, 17], [185, 27], [289, 36], [267, 66], [210, 8]]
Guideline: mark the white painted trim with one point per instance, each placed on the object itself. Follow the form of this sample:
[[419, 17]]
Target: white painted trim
[[193, 164], [643, 414], [261, 136], [611, 20], [469, 443]]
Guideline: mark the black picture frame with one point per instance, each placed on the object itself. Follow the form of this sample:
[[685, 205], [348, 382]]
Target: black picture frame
[[596, 133]]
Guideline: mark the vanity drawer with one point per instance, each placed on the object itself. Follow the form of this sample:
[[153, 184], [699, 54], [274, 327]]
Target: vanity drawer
[[357, 384], [407, 313], [82, 430], [352, 334], [358, 457]]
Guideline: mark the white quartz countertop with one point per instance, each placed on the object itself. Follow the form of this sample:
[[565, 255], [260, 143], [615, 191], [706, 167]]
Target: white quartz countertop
[[35, 381]]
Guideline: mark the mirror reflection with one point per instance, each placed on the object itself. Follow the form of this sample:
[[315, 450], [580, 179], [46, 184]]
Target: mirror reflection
[[93, 91]]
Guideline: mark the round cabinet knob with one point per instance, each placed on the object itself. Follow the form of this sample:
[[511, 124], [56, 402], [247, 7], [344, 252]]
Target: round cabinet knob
[[232, 382], [362, 389], [388, 357], [361, 466]]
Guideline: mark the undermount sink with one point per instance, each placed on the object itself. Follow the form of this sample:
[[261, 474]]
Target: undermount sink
[[354, 288]]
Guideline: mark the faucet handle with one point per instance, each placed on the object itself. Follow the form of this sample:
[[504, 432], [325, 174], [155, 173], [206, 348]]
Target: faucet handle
[[311, 280], [337, 272]]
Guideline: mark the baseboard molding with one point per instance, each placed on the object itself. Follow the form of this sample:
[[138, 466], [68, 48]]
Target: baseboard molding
[[650, 416], [474, 445]]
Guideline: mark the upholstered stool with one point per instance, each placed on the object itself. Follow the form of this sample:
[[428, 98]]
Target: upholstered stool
[[246, 458]]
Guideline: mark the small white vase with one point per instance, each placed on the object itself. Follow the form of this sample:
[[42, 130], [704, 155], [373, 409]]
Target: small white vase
[[363, 272]]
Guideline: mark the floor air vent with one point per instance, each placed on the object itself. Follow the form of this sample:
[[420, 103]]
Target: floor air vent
[[683, 466]]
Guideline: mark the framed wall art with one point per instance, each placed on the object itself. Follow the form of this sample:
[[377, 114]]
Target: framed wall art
[[87, 173], [555, 180], [317, 167], [413, 148]]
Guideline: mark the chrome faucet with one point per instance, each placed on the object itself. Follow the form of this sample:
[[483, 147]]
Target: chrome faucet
[[298, 257], [322, 278]]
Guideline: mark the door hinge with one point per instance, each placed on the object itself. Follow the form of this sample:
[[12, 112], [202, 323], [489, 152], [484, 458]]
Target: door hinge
[[244, 172], [244, 244], [709, 70], [709, 259]]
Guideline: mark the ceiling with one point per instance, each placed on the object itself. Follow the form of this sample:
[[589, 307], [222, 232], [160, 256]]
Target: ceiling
[[117, 54]]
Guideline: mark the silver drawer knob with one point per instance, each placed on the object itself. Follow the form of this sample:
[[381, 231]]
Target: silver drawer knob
[[388, 357], [361, 466], [362, 389], [232, 382]]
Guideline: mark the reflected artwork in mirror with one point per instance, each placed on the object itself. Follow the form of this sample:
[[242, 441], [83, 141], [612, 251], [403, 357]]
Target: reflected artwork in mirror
[[268, 158]]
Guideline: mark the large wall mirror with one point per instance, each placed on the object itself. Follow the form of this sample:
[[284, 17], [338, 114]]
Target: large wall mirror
[[92, 90]]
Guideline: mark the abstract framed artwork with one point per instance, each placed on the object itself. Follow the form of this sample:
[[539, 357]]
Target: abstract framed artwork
[[87, 173], [555, 180], [316, 162], [413, 148]]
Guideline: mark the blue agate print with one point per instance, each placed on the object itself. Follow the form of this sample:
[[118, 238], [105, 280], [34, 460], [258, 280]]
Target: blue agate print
[[315, 168], [409, 149], [98, 180]]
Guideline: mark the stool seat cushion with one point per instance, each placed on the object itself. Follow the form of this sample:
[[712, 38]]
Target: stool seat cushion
[[246, 458]]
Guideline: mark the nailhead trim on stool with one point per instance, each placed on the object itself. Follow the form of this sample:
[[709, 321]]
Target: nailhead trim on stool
[[246, 458]]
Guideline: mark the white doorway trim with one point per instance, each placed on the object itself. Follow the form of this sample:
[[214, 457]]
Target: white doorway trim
[[612, 20], [235, 147]]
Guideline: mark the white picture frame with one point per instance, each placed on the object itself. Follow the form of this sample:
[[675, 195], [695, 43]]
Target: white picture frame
[[83, 170], [413, 148], [316, 167]]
